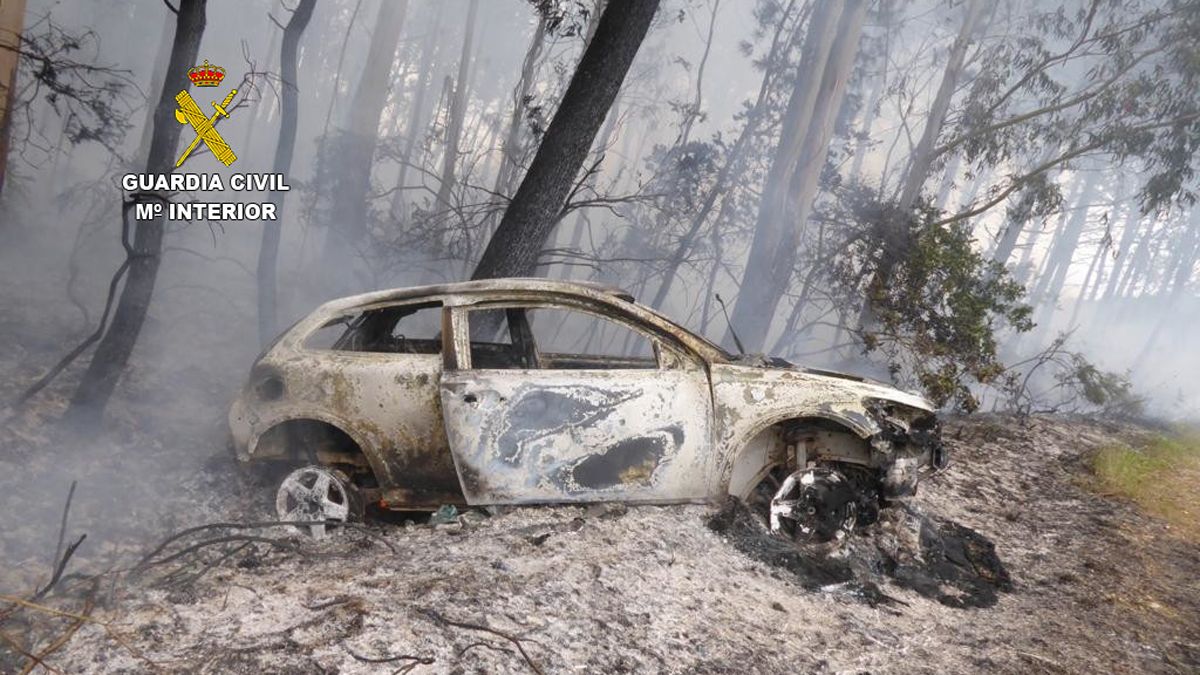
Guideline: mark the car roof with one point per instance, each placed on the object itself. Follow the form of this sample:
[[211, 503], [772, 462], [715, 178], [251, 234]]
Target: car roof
[[481, 287]]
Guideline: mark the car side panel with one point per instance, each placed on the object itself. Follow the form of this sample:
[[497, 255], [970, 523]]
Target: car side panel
[[748, 400], [389, 401], [540, 436]]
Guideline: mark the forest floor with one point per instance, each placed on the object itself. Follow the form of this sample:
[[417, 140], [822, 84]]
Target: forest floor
[[1096, 585]]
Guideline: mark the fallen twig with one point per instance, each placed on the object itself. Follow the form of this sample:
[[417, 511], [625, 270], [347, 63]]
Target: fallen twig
[[61, 640], [278, 543], [208, 566], [517, 642], [421, 660], [62, 527], [483, 643], [33, 658], [332, 602], [253, 526], [109, 630], [1040, 659], [58, 569], [61, 558]]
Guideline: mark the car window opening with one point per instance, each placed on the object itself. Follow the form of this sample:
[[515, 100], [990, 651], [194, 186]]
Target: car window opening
[[399, 329], [555, 339]]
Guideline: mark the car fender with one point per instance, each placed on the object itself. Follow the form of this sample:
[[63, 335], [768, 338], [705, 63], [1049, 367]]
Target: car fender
[[369, 449]]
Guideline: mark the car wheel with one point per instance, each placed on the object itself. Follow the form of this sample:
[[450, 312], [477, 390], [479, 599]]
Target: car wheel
[[814, 505], [320, 498]]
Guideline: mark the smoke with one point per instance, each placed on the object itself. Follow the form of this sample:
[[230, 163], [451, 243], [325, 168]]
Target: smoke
[[161, 460]]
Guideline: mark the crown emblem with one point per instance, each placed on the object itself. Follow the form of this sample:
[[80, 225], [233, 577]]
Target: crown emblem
[[206, 75]]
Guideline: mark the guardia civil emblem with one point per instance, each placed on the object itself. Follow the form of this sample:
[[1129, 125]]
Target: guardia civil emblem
[[189, 112]]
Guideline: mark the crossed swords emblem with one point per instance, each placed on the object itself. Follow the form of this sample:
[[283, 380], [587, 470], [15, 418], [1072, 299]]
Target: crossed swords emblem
[[191, 113]]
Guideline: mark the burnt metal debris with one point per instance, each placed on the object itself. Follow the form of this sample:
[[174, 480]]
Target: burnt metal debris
[[511, 391]]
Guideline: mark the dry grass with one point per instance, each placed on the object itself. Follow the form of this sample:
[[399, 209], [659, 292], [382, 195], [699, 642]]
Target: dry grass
[[1161, 475]]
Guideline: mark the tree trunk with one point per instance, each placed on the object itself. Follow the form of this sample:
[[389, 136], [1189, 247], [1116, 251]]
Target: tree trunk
[[415, 127], [12, 22], [831, 44], [112, 354], [1095, 267], [535, 209], [728, 174], [870, 112], [948, 176], [165, 42], [1062, 253], [1124, 252], [268, 253], [1018, 214], [510, 150], [256, 113], [1180, 277], [356, 143], [582, 221], [458, 110], [923, 155]]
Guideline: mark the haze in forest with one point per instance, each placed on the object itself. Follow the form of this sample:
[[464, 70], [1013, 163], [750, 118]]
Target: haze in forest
[[991, 203]]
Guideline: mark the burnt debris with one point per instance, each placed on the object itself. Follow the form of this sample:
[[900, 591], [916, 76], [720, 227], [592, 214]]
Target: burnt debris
[[937, 558]]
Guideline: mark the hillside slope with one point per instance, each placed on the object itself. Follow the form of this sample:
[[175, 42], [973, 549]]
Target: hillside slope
[[1095, 587]]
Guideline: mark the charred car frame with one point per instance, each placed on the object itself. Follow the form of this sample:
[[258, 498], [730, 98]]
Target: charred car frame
[[523, 391]]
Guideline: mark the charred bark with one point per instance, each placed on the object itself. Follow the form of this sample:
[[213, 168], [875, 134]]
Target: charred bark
[[112, 354], [537, 205]]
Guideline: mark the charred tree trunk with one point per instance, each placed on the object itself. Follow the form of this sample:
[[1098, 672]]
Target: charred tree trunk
[[165, 42], [12, 23], [112, 354], [458, 110], [831, 44], [535, 209], [356, 143], [268, 253], [582, 222]]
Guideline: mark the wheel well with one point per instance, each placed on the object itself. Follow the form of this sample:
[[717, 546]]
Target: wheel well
[[313, 441], [779, 444]]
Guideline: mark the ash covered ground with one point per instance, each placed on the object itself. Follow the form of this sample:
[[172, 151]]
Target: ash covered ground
[[1082, 583]]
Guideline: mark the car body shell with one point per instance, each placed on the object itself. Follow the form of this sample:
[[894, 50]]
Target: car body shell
[[698, 424]]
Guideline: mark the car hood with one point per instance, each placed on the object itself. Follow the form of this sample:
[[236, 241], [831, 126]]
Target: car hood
[[866, 386]]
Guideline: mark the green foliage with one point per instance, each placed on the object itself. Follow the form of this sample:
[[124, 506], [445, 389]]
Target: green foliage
[[935, 320], [1115, 80], [1107, 391]]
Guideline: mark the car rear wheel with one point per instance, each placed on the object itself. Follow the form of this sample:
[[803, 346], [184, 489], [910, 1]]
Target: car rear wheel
[[320, 498]]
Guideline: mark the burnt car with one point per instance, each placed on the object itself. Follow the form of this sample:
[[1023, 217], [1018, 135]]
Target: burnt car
[[538, 391]]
